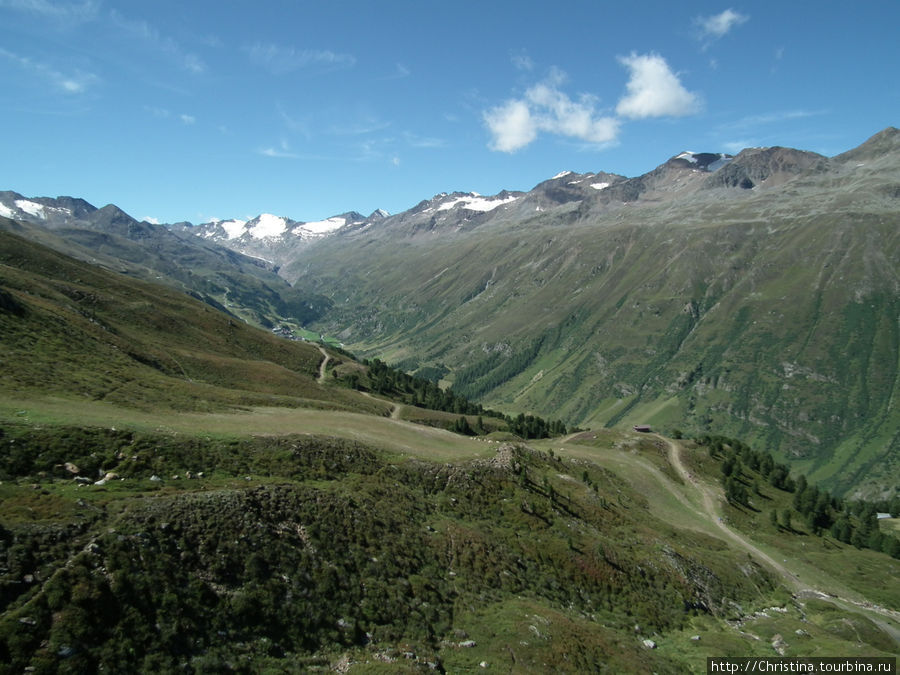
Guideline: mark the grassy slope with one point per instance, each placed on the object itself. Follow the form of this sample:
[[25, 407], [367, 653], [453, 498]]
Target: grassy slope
[[541, 559], [771, 317], [258, 518], [75, 329]]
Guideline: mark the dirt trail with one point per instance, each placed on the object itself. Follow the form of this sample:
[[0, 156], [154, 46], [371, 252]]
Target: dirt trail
[[709, 506], [323, 365], [710, 497]]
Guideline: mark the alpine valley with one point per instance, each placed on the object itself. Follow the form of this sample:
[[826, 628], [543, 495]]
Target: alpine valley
[[608, 424], [754, 295]]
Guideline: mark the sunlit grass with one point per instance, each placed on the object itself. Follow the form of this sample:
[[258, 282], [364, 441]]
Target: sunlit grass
[[396, 436]]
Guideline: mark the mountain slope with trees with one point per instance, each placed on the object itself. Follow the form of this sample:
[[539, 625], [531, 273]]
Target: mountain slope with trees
[[767, 312], [180, 491]]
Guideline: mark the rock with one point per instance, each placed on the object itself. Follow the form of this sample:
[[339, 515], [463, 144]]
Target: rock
[[648, 643], [695, 638], [467, 643], [778, 644], [72, 468], [66, 652], [155, 478], [483, 664]]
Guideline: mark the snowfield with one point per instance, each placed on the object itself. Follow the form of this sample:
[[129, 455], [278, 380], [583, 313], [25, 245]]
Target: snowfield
[[475, 202], [321, 226], [267, 226], [233, 228], [31, 208]]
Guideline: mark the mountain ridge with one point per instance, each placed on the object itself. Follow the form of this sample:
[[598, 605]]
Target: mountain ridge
[[247, 286], [674, 298]]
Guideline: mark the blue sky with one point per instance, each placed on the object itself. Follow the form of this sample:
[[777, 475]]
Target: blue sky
[[199, 110]]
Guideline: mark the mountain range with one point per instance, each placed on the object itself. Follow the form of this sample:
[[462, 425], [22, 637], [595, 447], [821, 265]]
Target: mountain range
[[244, 286], [760, 298], [755, 294]]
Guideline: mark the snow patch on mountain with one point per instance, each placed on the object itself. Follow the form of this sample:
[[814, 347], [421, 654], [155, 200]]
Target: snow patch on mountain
[[561, 174], [687, 155], [233, 228], [600, 186], [475, 202], [321, 227], [704, 160], [267, 226], [31, 208]]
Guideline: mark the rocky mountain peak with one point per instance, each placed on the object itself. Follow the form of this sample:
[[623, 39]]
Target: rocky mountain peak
[[754, 166]]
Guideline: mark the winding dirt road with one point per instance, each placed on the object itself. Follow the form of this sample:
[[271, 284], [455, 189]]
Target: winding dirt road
[[323, 365], [710, 497]]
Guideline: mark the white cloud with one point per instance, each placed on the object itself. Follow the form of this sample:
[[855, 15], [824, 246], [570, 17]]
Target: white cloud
[[274, 152], [558, 114], [511, 125], [521, 60], [753, 121], [148, 34], [62, 11], [281, 60], [361, 123], [193, 63], [423, 142], [281, 152], [653, 90], [716, 26], [545, 108], [72, 83], [165, 114], [401, 71]]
